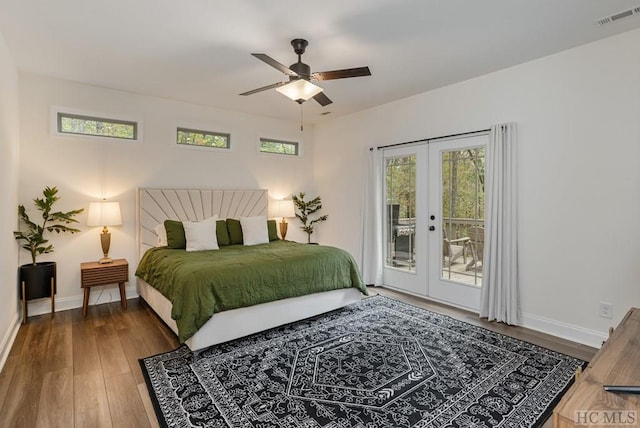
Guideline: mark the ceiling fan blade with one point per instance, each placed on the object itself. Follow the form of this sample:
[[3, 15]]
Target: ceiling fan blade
[[341, 74], [275, 64], [322, 99], [264, 88]]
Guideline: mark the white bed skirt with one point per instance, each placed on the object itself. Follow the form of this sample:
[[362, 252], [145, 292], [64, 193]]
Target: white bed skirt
[[235, 323]]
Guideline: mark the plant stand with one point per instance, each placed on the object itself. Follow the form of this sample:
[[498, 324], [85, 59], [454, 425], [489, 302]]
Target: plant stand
[[25, 310], [37, 282]]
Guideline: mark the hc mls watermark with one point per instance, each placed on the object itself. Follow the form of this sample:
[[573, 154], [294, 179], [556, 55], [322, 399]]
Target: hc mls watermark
[[606, 417]]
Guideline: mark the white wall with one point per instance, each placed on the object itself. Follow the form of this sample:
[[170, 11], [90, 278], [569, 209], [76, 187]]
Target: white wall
[[9, 314], [87, 169], [579, 133], [578, 115]]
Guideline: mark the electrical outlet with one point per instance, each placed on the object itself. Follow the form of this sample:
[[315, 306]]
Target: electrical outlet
[[606, 310]]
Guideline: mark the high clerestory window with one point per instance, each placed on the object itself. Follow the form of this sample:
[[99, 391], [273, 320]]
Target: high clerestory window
[[195, 137], [68, 123], [269, 145]]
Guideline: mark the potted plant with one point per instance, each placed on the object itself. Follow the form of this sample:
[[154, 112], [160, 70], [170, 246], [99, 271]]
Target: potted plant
[[38, 276], [306, 209]]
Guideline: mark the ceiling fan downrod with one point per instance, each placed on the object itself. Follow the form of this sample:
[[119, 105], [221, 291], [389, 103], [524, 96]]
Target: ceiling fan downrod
[[302, 70]]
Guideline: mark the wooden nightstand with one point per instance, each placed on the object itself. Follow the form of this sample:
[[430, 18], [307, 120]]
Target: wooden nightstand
[[94, 273]]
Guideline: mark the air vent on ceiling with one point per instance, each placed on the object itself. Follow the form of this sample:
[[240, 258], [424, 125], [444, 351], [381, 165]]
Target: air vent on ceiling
[[618, 16]]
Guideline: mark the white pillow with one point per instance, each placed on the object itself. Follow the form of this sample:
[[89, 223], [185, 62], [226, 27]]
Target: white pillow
[[254, 230], [201, 235], [161, 233]]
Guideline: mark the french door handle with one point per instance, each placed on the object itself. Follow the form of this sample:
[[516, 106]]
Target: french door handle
[[432, 228]]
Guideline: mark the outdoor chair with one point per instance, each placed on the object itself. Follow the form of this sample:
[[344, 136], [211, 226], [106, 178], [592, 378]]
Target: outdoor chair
[[476, 234], [454, 248]]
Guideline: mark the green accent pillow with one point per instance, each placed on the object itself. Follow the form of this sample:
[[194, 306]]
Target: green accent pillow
[[222, 233], [235, 231], [273, 230], [175, 234]]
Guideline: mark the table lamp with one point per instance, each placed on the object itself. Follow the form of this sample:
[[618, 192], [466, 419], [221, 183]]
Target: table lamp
[[104, 214], [284, 208]]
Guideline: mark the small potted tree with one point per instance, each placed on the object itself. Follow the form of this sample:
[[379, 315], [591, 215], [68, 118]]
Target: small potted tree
[[38, 276], [306, 209]]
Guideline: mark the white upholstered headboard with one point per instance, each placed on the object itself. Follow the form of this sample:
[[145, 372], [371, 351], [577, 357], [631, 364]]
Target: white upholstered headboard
[[154, 206]]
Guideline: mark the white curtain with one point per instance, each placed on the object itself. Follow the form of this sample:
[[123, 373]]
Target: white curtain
[[372, 239], [500, 294]]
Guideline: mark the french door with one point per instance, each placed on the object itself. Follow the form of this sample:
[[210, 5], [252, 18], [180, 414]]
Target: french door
[[434, 219], [405, 219]]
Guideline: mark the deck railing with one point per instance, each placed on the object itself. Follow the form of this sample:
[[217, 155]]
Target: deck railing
[[456, 227]]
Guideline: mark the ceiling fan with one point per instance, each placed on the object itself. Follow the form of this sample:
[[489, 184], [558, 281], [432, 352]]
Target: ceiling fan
[[299, 87]]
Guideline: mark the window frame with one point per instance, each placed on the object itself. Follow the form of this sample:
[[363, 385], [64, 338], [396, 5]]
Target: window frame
[[60, 116], [192, 129], [56, 121], [297, 144]]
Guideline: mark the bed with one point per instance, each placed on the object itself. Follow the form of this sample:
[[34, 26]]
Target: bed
[[154, 206]]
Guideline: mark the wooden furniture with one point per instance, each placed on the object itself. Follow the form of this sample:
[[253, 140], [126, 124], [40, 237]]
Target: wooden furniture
[[94, 273], [616, 363], [477, 247], [454, 248], [25, 305]]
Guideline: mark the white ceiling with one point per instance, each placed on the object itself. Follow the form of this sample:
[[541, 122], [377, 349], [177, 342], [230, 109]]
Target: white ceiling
[[199, 50]]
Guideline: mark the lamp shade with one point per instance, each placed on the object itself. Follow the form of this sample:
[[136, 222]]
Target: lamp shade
[[104, 214], [299, 89], [284, 208]]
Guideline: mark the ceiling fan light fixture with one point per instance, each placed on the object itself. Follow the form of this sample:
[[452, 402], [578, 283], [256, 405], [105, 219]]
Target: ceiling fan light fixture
[[299, 90]]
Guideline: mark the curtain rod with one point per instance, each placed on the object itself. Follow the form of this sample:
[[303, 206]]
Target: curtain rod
[[461, 134]]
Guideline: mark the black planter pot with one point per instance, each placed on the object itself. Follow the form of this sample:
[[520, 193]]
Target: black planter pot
[[37, 280]]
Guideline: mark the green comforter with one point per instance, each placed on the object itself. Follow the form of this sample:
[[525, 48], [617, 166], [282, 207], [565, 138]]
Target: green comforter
[[202, 283]]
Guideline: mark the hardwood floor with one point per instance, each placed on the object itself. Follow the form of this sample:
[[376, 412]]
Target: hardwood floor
[[70, 371]]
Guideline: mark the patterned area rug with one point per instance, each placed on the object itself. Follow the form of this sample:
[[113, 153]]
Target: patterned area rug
[[376, 363]]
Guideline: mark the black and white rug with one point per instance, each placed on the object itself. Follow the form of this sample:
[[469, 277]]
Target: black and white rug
[[377, 363]]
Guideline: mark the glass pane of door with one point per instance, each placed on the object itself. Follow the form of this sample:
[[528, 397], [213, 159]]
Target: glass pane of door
[[400, 212], [404, 204], [463, 215]]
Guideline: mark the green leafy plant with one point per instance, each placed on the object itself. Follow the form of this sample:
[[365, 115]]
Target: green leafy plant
[[56, 221], [306, 209]]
